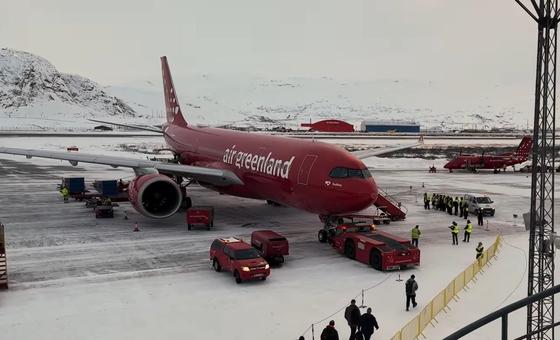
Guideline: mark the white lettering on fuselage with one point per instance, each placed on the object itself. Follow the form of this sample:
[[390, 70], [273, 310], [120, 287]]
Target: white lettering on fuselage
[[258, 163]]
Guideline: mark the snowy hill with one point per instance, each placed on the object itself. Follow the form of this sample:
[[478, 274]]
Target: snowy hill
[[243, 100], [32, 90], [33, 94]]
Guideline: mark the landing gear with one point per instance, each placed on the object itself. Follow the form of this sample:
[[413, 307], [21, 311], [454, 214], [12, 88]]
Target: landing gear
[[329, 224], [322, 236]]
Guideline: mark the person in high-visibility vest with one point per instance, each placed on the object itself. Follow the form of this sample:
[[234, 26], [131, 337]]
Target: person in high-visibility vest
[[479, 251], [454, 231], [450, 205], [65, 193], [456, 205], [468, 231], [415, 235]]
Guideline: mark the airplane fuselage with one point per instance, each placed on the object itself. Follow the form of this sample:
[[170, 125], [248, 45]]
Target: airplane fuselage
[[312, 176]]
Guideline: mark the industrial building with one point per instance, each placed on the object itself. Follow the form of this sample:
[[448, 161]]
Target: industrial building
[[329, 125], [389, 126]]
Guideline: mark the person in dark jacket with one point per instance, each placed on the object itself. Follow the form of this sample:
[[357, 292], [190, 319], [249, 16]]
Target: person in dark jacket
[[480, 215], [352, 315], [411, 287], [456, 205], [329, 333], [367, 324]]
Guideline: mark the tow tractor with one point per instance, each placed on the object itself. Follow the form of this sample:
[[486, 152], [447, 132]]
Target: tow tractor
[[383, 251]]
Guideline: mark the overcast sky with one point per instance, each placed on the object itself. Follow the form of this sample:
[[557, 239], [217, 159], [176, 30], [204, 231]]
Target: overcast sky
[[120, 41]]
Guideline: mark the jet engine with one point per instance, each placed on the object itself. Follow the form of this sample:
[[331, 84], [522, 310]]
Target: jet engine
[[155, 195]]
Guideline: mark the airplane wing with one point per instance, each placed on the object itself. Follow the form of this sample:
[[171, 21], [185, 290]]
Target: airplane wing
[[362, 154], [215, 177]]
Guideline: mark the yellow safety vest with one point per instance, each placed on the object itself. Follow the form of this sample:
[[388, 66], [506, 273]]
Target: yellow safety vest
[[469, 228]]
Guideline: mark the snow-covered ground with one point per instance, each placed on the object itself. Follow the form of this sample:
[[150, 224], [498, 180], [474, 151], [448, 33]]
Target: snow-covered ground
[[73, 276]]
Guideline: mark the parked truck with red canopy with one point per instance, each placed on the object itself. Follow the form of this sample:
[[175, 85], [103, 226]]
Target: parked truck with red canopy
[[379, 249]]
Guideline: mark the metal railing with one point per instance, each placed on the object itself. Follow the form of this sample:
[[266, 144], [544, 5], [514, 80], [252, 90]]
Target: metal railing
[[416, 326], [503, 314]]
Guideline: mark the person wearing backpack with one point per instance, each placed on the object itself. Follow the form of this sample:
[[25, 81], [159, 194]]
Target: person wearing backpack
[[411, 287]]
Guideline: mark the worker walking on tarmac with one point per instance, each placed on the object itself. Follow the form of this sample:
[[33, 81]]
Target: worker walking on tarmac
[[426, 201], [480, 215], [411, 287], [479, 251], [454, 231], [367, 324], [468, 231], [352, 315], [456, 205], [65, 193], [415, 235], [329, 333]]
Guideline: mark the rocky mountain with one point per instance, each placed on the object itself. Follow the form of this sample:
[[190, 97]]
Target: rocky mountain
[[31, 85]]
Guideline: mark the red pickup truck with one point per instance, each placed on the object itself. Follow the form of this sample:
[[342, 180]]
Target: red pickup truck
[[379, 249], [234, 255]]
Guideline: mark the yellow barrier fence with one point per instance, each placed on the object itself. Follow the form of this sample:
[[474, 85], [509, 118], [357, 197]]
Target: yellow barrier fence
[[415, 327]]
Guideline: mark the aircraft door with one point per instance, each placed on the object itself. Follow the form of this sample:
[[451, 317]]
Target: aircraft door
[[305, 169]]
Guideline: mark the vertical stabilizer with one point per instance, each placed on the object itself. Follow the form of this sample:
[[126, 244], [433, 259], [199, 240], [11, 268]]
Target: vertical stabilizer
[[524, 148], [174, 114]]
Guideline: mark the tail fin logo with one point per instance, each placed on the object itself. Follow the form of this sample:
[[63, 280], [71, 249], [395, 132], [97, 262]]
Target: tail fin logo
[[172, 108]]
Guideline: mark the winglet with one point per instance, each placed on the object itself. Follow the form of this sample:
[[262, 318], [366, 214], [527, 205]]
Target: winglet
[[174, 114]]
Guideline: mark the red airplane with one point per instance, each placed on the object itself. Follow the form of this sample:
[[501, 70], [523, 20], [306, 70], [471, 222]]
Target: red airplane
[[312, 176], [493, 162]]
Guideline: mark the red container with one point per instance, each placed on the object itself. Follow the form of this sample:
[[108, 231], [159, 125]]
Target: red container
[[271, 245], [200, 216]]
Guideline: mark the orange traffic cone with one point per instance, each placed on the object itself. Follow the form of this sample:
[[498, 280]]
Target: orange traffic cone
[[135, 227]]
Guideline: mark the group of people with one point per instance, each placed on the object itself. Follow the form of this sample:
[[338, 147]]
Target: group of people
[[361, 325], [457, 206], [453, 206]]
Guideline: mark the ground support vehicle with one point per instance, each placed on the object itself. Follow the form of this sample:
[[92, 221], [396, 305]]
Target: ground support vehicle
[[331, 222], [200, 216], [378, 249], [271, 245], [235, 256], [104, 211], [479, 201]]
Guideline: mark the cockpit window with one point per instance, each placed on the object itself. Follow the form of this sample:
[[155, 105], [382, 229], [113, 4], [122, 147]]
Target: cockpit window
[[340, 172]]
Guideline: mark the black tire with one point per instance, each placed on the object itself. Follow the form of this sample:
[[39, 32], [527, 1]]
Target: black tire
[[349, 249], [188, 202], [322, 236], [280, 259], [263, 278], [237, 277], [375, 259], [189, 226], [216, 265]]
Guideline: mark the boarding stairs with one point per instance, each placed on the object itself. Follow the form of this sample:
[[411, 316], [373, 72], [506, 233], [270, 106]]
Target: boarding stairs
[[3, 262], [390, 206]]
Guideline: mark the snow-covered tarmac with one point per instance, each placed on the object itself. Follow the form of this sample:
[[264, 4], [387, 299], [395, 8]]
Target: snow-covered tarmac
[[72, 276]]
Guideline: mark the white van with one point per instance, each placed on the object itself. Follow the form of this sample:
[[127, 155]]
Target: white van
[[480, 201]]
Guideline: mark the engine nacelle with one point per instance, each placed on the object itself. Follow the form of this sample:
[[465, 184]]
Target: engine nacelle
[[155, 195]]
